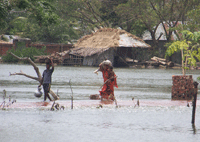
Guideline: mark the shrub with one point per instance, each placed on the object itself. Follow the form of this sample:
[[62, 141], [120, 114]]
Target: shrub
[[23, 52]]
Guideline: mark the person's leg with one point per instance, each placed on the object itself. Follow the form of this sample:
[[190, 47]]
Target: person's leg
[[46, 88], [45, 96]]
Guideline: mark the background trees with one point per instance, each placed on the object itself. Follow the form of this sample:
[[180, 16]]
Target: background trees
[[64, 20], [35, 19]]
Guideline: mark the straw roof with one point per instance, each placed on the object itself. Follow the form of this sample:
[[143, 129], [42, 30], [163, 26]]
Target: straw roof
[[105, 38], [82, 51], [108, 37]]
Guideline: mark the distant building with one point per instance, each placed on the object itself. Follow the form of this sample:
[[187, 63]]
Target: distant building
[[113, 44], [160, 32]]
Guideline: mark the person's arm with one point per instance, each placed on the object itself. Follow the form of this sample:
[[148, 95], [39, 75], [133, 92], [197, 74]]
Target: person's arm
[[52, 64], [96, 71]]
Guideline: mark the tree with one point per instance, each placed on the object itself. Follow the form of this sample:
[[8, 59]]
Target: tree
[[35, 19], [84, 15], [5, 7], [87, 15], [40, 10], [172, 12], [128, 19], [189, 47], [152, 13], [193, 20]]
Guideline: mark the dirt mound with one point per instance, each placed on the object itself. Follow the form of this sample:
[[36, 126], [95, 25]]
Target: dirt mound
[[104, 38]]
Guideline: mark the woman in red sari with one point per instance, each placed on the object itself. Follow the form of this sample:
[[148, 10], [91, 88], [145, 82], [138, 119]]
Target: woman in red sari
[[110, 81]]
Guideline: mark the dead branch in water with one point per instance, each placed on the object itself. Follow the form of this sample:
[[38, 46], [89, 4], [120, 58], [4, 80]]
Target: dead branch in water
[[39, 78], [21, 73]]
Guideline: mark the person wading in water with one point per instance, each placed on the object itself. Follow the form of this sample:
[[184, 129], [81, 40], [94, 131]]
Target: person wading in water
[[107, 91], [46, 79]]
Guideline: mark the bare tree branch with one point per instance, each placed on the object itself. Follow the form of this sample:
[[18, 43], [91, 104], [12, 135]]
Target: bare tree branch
[[31, 62], [91, 8], [21, 73], [89, 19]]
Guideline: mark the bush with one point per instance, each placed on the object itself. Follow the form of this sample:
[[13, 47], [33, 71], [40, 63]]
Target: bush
[[23, 52]]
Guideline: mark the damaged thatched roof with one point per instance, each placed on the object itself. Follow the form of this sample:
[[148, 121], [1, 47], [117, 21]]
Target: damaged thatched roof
[[105, 38], [108, 37], [82, 51]]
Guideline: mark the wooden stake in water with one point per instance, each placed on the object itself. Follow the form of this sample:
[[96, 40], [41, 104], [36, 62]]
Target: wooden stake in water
[[4, 96], [71, 95], [194, 102]]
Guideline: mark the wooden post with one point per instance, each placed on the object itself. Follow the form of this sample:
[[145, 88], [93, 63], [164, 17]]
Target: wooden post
[[72, 97], [194, 102]]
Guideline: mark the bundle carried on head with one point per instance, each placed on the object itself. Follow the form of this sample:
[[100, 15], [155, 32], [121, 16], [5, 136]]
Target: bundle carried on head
[[107, 62]]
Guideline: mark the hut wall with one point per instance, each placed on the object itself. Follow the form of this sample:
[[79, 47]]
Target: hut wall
[[141, 54], [124, 52], [96, 59]]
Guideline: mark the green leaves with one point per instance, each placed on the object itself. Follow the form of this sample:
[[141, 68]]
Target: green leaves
[[190, 48], [42, 12], [5, 7], [175, 47], [23, 52]]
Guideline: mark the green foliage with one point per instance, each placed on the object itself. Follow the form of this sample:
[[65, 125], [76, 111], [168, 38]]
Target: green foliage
[[66, 20], [37, 20], [5, 7], [54, 33], [14, 18], [175, 47], [194, 20], [190, 47], [23, 52], [41, 10]]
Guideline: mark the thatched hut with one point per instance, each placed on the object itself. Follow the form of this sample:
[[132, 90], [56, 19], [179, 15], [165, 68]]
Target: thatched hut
[[106, 43]]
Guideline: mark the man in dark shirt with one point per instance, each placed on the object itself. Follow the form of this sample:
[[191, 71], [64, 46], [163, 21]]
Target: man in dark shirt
[[46, 79]]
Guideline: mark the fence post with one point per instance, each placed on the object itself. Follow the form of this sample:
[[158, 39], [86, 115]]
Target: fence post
[[194, 101]]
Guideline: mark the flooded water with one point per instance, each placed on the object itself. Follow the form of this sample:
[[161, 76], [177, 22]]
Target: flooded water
[[89, 123]]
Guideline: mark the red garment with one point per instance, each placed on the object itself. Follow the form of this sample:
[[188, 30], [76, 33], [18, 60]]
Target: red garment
[[108, 87]]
